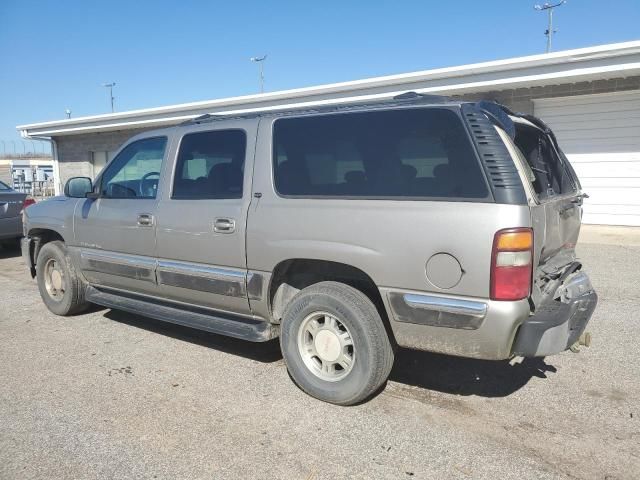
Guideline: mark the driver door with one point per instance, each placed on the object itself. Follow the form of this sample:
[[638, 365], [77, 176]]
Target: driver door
[[116, 232]]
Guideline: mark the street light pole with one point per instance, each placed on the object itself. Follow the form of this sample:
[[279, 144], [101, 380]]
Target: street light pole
[[260, 61], [110, 87], [549, 8]]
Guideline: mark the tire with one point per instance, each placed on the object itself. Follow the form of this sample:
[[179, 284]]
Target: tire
[[349, 316], [61, 292]]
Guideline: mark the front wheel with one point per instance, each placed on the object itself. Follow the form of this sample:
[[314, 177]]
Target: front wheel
[[335, 344], [60, 287]]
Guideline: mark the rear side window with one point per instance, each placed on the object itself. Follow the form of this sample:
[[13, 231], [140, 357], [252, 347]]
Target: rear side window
[[420, 153], [210, 165], [549, 174]]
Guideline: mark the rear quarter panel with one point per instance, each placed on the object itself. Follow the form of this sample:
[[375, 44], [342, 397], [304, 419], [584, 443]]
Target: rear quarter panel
[[391, 241]]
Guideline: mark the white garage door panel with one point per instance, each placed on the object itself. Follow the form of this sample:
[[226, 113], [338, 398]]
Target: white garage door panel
[[609, 182], [612, 196], [601, 136], [599, 108], [595, 170], [596, 119], [600, 132]]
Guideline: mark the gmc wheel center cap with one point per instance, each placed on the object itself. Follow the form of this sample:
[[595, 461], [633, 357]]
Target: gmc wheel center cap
[[327, 345]]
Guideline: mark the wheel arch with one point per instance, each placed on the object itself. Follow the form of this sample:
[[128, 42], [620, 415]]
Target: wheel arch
[[292, 275], [37, 238]]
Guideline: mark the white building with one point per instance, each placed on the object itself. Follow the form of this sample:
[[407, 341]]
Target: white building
[[589, 96]]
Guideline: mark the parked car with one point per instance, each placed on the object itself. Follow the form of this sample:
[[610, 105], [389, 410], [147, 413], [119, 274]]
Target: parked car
[[347, 231], [12, 204]]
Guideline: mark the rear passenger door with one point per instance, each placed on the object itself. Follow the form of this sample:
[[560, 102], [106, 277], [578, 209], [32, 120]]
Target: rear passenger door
[[202, 217]]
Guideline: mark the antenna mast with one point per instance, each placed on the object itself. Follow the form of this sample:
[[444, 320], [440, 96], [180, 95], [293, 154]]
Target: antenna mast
[[549, 8]]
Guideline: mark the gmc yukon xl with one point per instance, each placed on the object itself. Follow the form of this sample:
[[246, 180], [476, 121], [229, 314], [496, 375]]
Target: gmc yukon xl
[[345, 231]]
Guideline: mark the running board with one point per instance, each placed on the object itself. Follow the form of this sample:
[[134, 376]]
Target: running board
[[214, 322]]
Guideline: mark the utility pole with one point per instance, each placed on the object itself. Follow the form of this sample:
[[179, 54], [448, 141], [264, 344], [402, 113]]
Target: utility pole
[[549, 8], [110, 87], [260, 61]]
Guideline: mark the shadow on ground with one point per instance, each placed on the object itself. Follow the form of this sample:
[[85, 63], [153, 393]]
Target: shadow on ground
[[465, 376], [266, 352], [430, 371]]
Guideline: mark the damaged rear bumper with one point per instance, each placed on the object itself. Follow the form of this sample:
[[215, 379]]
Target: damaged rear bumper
[[559, 320]]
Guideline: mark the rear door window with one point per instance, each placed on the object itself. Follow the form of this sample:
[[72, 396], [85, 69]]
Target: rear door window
[[210, 165], [412, 153]]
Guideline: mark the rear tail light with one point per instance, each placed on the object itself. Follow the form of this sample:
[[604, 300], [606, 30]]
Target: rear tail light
[[511, 264], [28, 201]]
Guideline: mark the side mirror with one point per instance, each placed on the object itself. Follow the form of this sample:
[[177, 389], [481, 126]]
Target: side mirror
[[78, 187]]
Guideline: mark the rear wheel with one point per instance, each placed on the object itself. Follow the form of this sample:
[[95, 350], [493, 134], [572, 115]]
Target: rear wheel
[[60, 287], [335, 344]]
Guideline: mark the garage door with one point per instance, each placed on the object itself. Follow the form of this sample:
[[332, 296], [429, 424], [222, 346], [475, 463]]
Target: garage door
[[601, 136]]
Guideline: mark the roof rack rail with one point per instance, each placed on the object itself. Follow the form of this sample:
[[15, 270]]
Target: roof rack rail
[[424, 97], [199, 119]]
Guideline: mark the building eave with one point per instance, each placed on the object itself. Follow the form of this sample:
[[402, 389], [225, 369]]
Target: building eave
[[569, 66]]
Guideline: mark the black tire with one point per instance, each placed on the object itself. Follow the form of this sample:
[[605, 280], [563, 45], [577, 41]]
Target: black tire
[[373, 353], [71, 300]]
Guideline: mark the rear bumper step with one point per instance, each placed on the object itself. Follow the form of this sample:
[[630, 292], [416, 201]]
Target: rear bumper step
[[557, 325], [214, 322]]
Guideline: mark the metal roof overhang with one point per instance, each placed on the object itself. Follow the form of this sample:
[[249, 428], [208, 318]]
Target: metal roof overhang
[[569, 66]]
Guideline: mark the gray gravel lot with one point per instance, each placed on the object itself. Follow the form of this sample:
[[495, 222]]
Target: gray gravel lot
[[112, 395]]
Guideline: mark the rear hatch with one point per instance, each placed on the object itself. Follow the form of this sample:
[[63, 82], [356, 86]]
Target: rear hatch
[[556, 203], [11, 203]]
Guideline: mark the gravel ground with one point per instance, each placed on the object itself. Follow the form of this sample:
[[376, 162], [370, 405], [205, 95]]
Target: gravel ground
[[112, 395]]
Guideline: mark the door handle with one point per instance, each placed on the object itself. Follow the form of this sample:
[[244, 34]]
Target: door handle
[[145, 220], [224, 225]]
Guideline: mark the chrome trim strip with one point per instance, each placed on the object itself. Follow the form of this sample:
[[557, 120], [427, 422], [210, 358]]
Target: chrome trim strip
[[220, 281], [436, 311], [118, 264], [119, 258], [195, 269], [446, 305]]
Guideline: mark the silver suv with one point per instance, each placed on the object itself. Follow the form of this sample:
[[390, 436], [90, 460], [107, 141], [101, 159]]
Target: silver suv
[[347, 231]]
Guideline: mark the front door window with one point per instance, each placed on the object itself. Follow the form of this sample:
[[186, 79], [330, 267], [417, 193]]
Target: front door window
[[135, 172]]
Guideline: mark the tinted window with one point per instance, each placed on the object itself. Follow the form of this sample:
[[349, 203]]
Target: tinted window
[[397, 153], [135, 172], [210, 165], [4, 186], [548, 173]]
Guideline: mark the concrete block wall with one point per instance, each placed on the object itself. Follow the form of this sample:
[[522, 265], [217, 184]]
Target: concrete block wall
[[521, 99], [74, 151]]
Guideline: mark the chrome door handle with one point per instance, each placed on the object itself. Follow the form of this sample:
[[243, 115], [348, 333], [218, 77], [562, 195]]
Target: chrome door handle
[[145, 220], [224, 225]]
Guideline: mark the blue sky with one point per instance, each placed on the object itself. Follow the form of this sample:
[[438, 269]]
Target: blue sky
[[56, 54]]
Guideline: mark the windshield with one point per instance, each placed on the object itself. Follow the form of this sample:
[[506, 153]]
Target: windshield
[[4, 186]]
